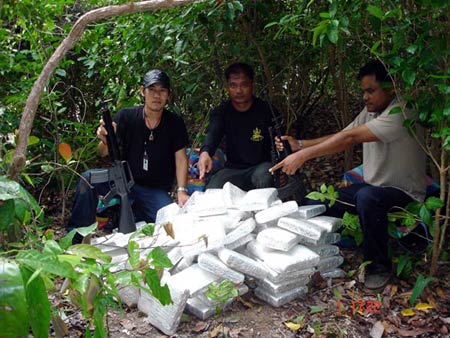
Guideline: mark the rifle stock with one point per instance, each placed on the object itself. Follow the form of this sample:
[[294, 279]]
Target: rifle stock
[[120, 178]]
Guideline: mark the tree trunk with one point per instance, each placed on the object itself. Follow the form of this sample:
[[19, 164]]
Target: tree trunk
[[341, 98], [29, 112]]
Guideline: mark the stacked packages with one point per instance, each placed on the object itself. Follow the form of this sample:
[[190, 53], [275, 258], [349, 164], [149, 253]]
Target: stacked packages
[[235, 235]]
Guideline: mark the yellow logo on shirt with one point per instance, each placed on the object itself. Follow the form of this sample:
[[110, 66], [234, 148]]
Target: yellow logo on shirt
[[257, 136]]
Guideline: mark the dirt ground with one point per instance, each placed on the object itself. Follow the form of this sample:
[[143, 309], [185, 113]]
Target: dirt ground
[[326, 311]]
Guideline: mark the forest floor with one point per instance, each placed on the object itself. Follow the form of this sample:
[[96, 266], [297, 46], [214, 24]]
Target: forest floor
[[330, 309]]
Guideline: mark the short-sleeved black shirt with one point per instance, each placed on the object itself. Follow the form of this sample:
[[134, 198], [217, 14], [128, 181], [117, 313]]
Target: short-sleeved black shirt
[[246, 133], [168, 137]]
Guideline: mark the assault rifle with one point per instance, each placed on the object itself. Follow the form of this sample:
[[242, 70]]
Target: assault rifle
[[295, 185], [119, 177]]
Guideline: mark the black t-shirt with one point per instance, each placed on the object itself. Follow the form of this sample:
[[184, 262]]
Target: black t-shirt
[[246, 133], [168, 137]]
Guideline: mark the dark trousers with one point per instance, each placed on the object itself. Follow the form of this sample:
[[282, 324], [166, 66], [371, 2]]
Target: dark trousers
[[145, 202], [371, 205], [255, 177]]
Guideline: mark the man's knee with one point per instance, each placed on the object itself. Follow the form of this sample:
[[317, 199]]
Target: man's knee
[[261, 177], [367, 197]]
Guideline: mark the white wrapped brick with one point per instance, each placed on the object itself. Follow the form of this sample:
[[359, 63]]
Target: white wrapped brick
[[243, 229], [278, 288], [282, 298], [240, 242], [210, 203], [164, 317], [308, 211], [165, 214], [277, 277], [298, 258], [232, 195], [276, 211], [205, 235], [325, 250], [242, 263], [235, 216], [335, 273], [129, 295], [202, 309], [330, 263], [330, 224], [194, 279], [258, 199], [214, 265], [308, 233], [277, 239]]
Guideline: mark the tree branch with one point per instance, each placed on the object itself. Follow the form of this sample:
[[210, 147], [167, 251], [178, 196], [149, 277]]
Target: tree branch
[[29, 112]]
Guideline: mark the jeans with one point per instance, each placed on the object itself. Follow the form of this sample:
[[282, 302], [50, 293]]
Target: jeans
[[145, 202], [255, 177], [371, 205]]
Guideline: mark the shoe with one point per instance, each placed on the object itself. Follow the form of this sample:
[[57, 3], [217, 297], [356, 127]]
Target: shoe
[[377, 278]]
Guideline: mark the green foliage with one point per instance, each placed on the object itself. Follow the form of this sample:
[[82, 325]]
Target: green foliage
[[420, 285], [221, 293], [352, 227], [326, 193]]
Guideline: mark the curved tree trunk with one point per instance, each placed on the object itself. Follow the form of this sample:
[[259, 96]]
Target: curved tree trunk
[[29, 112]]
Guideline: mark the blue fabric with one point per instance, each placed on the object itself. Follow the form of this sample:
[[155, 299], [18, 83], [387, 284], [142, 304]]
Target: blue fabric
[[145, 201], [356, 175]]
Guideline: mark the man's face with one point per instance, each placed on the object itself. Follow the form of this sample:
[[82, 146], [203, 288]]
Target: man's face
[[240, 88], [156, 97], [375, 97]]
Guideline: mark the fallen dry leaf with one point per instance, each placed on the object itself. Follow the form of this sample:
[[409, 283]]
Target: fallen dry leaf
[[215, 331], [413, 333], [293, 326], [200, 326], [377, 330], [127, 324], [168, 227], [408, 313], [393, 291], [423, 307]]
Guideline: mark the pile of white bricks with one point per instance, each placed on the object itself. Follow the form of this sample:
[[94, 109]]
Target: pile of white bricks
[[236, 235]]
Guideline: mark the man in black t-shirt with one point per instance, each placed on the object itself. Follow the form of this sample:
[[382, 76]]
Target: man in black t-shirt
[[153, 142], [244, 121]]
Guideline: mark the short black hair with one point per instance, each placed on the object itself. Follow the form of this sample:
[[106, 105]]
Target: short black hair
[[238, 68], [377, 68]]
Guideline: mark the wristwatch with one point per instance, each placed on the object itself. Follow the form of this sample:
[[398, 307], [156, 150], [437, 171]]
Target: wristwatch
[[300, 144], [181, 189]]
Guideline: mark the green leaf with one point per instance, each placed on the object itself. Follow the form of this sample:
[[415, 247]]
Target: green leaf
[[89, 251], [420, 285], [158, 258], [134, 253], [48, 262], [434, 203], [38, 304], [52, 246], [337, 294], [425, 215], [7, 212], [315, 195], [409, 76], [323, 188], [316, 309], [375, 11], [13, 306], [161, 293], [402, 262]]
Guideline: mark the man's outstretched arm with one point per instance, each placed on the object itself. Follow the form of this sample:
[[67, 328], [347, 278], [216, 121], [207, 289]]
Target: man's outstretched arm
[[329, 145]]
